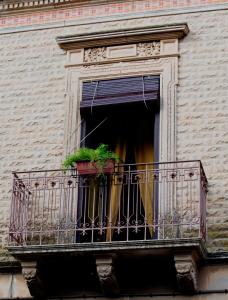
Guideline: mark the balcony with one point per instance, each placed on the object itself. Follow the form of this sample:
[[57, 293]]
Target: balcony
[[138, 202], [154, 210]]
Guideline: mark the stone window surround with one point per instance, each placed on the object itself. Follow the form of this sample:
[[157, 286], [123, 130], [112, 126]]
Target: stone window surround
[[115, 54]]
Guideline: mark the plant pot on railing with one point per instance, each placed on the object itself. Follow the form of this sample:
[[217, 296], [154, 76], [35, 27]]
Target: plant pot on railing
[[92, 161], [94, 168]]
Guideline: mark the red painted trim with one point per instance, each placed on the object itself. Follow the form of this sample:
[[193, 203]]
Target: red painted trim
[[82, 12]]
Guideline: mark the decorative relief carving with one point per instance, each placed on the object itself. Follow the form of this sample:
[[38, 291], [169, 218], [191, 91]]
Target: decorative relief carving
[[107, 276], [30, 273], [99, 54], [148, 49], [95, 54], [186, 273]]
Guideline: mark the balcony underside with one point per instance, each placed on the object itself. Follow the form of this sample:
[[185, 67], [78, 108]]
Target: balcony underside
[[112, 269], [153, 247]]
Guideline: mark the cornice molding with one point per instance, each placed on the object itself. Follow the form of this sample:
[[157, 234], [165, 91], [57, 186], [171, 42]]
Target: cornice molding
[[8, 6], [18, 5], [121, 37], [21, 7]]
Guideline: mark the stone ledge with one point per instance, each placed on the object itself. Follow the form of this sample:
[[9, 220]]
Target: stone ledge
[[153, 247], [186, 254], [121, 37]]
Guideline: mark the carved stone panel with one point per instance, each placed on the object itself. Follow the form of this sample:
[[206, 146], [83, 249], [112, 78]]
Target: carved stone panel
[[34, 283], [148, 49], [186, 273], [100, 54], [95, 54], [106, 274]]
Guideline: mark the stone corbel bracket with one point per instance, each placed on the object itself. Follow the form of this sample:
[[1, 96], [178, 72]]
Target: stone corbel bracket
[[187, 272], [106, 274], [31, 275]]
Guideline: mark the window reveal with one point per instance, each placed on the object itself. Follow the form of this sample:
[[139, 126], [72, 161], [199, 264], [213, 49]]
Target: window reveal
[[129, 104]]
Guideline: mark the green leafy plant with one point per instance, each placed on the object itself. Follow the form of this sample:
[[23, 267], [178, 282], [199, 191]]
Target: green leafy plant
[[99, 155]]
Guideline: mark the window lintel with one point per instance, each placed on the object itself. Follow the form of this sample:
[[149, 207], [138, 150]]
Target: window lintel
[[121, 37]]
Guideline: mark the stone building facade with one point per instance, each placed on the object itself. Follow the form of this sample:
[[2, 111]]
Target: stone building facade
[[48, 49]]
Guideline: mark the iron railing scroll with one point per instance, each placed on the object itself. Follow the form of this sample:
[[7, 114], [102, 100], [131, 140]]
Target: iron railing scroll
[[137, 202]]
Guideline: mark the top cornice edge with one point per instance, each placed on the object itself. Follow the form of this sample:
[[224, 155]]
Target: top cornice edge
[[7, 6], [124, 36], [16, 6]]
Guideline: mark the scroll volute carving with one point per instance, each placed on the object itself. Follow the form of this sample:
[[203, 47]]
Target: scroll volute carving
[[34, 283], [107, 277], [187, 273]]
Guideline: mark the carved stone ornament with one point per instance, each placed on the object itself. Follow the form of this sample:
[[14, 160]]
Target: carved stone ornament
[[95, 54], [99, 54], [107, 276], [31, 275], [186, 273], [148, 49]]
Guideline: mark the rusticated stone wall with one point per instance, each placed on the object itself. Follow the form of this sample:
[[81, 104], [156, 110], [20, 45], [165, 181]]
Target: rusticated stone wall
[[32, 84], [32, 102]]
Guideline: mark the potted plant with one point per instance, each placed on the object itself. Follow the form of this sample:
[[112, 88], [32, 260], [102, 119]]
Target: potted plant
[[92, 161]]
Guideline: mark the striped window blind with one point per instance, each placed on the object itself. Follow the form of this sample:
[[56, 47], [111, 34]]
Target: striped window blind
[[120, 90]]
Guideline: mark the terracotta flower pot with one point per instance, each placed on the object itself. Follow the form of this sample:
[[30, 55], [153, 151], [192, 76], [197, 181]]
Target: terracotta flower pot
[[87, 167]]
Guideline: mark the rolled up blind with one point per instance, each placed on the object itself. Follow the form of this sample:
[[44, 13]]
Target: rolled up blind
[[120, 90]]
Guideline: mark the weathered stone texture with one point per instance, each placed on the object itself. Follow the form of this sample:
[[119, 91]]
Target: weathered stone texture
[[202, 131], [32, 83]]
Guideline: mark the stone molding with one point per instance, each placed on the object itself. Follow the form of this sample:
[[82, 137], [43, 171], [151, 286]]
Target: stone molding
[[31, 275], [12, 6], [95, 54], [18, 5], [130, 52], [166, 67], [80, 12], [8, 5], [187, 273], [106, 274], [99, 54], [111, 61], [123, 37], [148, 49]]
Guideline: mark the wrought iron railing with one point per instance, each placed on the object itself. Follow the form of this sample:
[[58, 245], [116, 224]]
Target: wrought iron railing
[[137, 202]]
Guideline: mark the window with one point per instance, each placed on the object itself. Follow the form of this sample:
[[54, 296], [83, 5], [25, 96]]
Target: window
[[120, 112], [91, 62]]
